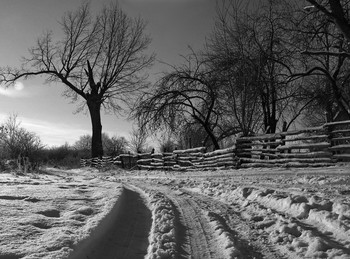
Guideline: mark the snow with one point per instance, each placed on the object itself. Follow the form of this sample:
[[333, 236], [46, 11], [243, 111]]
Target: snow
[[224, 238], [162, 235], [47, 215], [307, 215], [302, 213], [332, 216]]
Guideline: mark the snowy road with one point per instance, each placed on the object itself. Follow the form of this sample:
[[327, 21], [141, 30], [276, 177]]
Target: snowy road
[[127, 233], [197, 234], [246, 213], [256, 213], [211, 229]]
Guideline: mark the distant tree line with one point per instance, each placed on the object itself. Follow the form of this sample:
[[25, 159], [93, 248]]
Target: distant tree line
[[18, 143], [70, 155]]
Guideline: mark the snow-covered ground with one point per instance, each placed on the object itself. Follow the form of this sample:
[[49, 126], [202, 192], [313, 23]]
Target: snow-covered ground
[[47, 215], [245, 213]]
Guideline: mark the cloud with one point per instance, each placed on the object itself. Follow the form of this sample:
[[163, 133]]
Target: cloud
[[13, 91]]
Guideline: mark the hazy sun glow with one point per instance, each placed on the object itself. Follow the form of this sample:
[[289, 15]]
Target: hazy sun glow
[[12, 91], [19, 86]]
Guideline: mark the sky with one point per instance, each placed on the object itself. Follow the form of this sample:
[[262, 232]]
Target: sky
[[173, 25]]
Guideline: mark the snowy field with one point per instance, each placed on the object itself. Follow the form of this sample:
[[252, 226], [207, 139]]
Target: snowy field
[[245, 213]]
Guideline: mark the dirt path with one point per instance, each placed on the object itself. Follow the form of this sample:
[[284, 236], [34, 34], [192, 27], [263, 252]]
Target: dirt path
[[127, 236]]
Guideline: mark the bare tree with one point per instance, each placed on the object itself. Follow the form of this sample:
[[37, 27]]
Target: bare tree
[[337, 11], [115, 145], [167, 145], [230, 54], [325, 45], [84, 143], [138, 140], [191, 135], [250, 47], [99, 60], [112, 146], [186, 94], [17, 141]]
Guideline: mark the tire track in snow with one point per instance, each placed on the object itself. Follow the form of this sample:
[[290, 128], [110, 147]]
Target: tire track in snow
[[209, 229], [198, 230], [127, 235], [250, 243]]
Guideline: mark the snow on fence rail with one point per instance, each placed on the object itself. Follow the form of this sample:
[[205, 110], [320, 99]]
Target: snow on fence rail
[[318, 146]]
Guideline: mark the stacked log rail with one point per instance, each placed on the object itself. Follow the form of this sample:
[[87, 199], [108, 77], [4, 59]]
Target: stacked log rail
[[188, 158], [262, 147], [308, 147], [157, 161], [84, 162], [144, 161], [106, 161], [169, 161], [101, 162], [96, 162], [116, 161], [220, 159], [128, 161], [339, 133]]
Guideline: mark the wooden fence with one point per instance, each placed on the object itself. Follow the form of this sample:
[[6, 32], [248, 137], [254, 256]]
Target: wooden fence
[[319, 146]]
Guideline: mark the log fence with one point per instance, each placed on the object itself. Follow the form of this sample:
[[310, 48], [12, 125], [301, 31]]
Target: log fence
[[318, 146]]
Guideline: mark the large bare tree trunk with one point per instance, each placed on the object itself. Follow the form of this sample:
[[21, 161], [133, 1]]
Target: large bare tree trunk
[[213, 139], [95, 114]]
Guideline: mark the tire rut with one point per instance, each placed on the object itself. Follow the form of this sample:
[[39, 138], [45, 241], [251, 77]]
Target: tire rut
[[127, 237], [196, 244], [248, 241]]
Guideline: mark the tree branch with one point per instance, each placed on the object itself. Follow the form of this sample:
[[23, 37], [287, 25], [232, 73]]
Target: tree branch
[[326, 53]]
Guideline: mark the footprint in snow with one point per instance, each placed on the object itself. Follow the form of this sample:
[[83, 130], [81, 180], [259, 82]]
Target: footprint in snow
[[32, 199], [9, 197], [42, 225], [87, 211], [51, 213]]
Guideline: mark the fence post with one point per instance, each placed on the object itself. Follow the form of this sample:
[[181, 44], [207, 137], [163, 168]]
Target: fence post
[[129, 160], [26, 164], [19, 162], [283, 137], [329, 129]]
